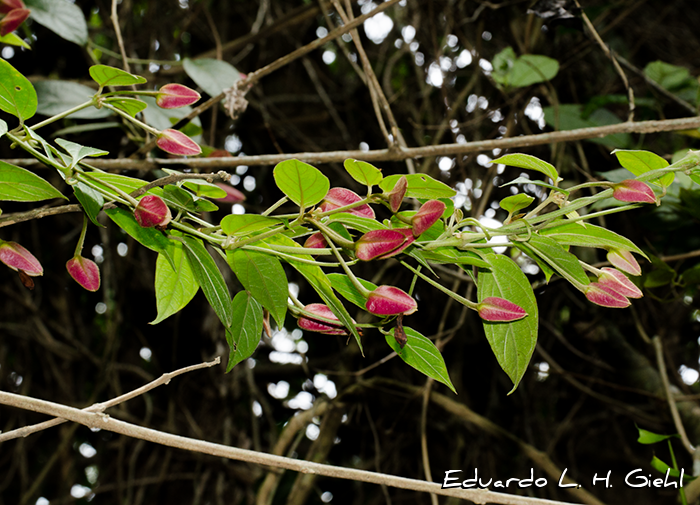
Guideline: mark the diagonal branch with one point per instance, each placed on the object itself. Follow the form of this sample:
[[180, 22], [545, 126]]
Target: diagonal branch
[[105, 422]]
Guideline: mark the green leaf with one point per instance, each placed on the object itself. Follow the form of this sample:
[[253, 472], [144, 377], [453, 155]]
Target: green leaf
[[570, 117], [213, 76], [514, 203], [175, 287], [179, 197], [61, 17], [13, 40], [20, 185], [648, 437], [518, 72], [126, 184], [667, 75], [17, 95], [79, 152], [55, 97], [529, 162], [573, 234], [512, 343], [420, 353], [263, 276], [419, 186], [563, 262], [641, 162], [449, 255], [359, 223], [321, 284], [110, 76], [246, 224], [343, 285], [204, 205], [131, 106], [147, 237], [363, 172], [202, 187], [91, 201], [244, 334], [525, 180], [544, 266], [210, 279], [303, 184]]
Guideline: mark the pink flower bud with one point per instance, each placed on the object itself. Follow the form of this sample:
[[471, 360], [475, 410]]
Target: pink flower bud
[[152, 211], [175, 142], [606, 297], [499, 310], [340, 197], [396, 195], [390, 301], [624, 260], [316, 241], [85, 272], [376, 243], [427, 216], [631, 190], [232, 194], [19, 259], [321, 326], [173, 96], [10, 5], [408, 233], [13, 20], [618, 282]]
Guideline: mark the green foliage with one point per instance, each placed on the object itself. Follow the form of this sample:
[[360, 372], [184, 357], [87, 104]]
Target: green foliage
[[419, 186], [571, 117], [244, 334], [641, 162], [512, 71], [62, 17], [91, 200], [420, 353], [175, 287], [246, 224], [514, 203], [301, 183], [55, 97], [110, 76], [529, 162], [213, 76], [512, 343], [20, 185], [17, 95], [363, 172]]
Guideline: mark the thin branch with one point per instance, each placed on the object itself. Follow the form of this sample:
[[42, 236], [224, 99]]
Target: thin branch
[[397, 154], [118, 32], [101, 407], [19, 217], [105, 422], [669, 395]]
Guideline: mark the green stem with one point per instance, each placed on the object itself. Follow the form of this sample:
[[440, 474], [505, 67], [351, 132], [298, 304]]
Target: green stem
[[328, 233], [63, 114], [275, 206], [350, 206], [81, 175], [81, 240], [451, 294], [126, 116], [591, 184], [355, 282], [590, 268], [233, 244], [547, 201], [38, 155], [288, 257], [204, 236]]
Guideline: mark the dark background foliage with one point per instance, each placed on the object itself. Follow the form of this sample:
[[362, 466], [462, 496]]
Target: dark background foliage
[[592, 378]]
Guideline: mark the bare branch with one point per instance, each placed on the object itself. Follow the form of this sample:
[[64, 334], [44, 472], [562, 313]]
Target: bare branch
[[104, 422]]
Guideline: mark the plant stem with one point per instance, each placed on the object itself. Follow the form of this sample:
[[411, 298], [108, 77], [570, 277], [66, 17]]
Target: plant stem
[[275, 206], [126, 116], [63, 114], [451, 294], [123, 194], [358, 285], [81, 240]]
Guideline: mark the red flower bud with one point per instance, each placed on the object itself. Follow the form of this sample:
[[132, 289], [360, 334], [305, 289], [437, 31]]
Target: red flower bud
[[85, 272], [427, 216], [377, 243], [232, 194], [19, 259], [321, 326], [390, 301], [152, 211], [606, 297], [175, 142], [397, 194], [10, 5], [499, 310], [408, 233], [316, 241], [631, 190], [618, 282], [13, 20], [340, 197], [624, 260], [173, 96]]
